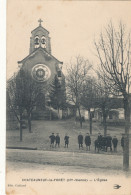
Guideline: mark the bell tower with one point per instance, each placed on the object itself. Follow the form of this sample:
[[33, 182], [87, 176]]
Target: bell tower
[[40, 38], [43, 68]]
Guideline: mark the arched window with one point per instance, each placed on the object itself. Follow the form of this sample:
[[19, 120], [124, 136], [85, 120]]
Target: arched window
[[37, 42], [43, 41]]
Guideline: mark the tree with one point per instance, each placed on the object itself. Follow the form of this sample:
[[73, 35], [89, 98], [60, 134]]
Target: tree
[[113, 49], [31, 91], [23, 93], [103, 101], [16, 97], [96, 95], [88, 98], [77, 72], [57, 93]]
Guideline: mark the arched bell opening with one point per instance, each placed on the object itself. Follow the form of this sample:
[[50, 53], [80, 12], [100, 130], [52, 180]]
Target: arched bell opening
[[37, 41], [43, 42]]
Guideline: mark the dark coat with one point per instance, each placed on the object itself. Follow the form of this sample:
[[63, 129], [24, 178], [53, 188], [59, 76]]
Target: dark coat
[[115, 141], [109, 139], [80, 139], [66, 138], [52, 138], [57, 138], [103, 141], [87, 140], [99, 138]]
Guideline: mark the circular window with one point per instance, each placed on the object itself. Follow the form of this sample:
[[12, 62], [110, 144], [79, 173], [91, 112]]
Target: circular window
[[41, 72]]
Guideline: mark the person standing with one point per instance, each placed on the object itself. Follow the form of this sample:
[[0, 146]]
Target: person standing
[[57, 139], [115, 142], [122, 141], [52, 140], [100, 140], [109, 144], [104, 143], [66, 138], [87, 141], [80, 140]]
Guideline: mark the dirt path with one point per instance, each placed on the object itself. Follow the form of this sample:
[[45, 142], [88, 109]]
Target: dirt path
[[66, 159]]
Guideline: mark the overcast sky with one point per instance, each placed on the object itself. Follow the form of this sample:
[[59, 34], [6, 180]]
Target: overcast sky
[[73, 25]]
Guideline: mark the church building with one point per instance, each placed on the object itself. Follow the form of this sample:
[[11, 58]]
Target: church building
[[40, 62]]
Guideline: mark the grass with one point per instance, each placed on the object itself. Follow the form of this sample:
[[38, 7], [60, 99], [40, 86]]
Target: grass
[[41, 131]]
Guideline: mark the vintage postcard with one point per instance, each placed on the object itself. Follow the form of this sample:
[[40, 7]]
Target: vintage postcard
[[68, 97]]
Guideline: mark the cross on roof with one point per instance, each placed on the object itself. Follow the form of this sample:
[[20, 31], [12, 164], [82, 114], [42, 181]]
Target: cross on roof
[[40, 21]]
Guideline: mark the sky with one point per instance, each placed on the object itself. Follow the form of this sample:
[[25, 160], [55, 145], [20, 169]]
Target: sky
[[73, 26]]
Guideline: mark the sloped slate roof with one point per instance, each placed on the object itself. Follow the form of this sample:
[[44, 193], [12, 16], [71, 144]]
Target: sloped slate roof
[[40, 27], [35, 51]]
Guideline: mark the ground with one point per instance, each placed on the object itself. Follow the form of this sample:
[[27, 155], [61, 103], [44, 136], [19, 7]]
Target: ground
[[79, 169], [72, 156], [66, 161], [41, 131], [37, 178]]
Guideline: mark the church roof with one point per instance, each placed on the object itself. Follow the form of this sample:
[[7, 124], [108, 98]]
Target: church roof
[[41, 28], [44, 51]]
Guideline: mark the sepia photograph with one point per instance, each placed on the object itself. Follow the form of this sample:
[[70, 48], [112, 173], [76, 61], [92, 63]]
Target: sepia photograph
[[68, 97]]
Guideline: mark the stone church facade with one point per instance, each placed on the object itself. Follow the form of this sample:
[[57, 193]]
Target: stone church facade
[[41, 64]]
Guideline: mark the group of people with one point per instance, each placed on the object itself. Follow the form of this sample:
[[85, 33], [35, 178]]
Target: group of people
[[87, 141], [101, 143], [55, 140]]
